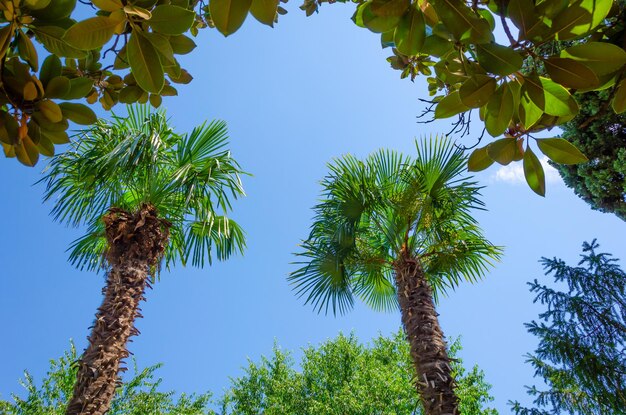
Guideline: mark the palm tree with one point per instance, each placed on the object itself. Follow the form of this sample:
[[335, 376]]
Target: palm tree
[[396, 232], [146, 194]]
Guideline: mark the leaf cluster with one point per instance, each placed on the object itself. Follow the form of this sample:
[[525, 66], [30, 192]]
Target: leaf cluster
[[125, 51], [582, 338], [520, 88], [376, 210]]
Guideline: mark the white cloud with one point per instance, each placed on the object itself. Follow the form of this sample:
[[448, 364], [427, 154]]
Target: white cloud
[[514, 173]]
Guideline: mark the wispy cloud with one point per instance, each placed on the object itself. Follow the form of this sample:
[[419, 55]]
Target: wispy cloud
[[514, 173]]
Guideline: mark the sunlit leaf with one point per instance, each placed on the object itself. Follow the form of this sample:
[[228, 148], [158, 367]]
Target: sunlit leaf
[[264, 11], [533, 172], [450, 105], [570, 73], [602, 57], [479, 160], [499, 111], [229, 15], [410, 32], [561, 151], [92, 33], [498, 59], [476, 91], [145, 63], [173, 20]]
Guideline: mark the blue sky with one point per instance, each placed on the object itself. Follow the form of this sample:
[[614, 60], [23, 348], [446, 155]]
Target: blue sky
[[294, 97]]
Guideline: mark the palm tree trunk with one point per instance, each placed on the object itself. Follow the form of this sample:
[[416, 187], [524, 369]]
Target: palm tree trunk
[[135, 246], [434, 381]]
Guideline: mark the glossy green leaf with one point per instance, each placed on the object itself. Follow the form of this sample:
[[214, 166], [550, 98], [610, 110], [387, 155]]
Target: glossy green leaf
[[58, 87], [108, 5], [78, 113], [264, 11], [476, 91], [36, 4], [229, 15], [365, 17], [173, 20], [498, 59], [182, 45], [50, 68], [437, 46], [26, 152], [386, 39], [79, 88], [523, 15], [50, 110], [450, 106], [570, 73], [561, 151], [503, 150], [163, 47], [533, 171], [556, 99], [602, 57], [619, 99], [528, 112], [51, 37], [56, 10], [390, 8], [580, 18], [92, 33], [479, 160], [462, 22], [145, 63], [130, 94], [499, 111], [410, 33], [5, 38]]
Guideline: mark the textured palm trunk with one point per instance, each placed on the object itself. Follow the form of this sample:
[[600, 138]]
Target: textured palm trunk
[[434, 380], [135, 246]]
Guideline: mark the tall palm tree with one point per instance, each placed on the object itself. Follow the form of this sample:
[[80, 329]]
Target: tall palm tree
[[146, 194], [397, 232]]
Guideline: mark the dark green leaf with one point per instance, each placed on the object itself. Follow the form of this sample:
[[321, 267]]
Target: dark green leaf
[[229, 15], [145, 63]]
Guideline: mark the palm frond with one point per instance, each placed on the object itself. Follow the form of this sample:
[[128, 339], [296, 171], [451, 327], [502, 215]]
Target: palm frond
[[219, 234]]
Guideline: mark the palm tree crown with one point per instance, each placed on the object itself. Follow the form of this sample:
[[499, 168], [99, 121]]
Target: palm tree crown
[[377, 210], [139, 160]]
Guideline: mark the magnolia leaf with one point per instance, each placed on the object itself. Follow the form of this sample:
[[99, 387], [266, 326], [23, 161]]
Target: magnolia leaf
[[79, 88], [130, 94], [45, 146], [533, 171], [51, 111], [619, 99], [155, 100], [499, 111], [78, 113], [92, 33], [561, 151], [182, 45], [365, 17], [555, 98], [163, 47], [464, 24], [27, 51], [580, 18], [386, 39], [528, 112], [137, 11], [450, 105], [227, 15], [51, 37], [36, 4], [108, 5], [58, 87], [570, 73], [50, 68], [602, 57], [173, 20], [504, 150], [5, 38], [29, 92], [56, 10], [522, 14], [436, 46], [386, 8], [145, 63], [476, 91], [264, 11], [26, 152], [479, 160], [183, 78], [410, 33], [498, 59]]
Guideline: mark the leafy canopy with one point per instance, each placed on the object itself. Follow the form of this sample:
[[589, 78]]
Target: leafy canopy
[[139, 159], [520, 85], [372, 211], [123, 51], [582, 338]]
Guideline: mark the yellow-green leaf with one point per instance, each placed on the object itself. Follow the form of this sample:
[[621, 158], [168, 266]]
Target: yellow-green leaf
[[137, 11], [130, 94], [570, 73], [155, 100], [79, 88], [182, 45], [528, 112], [5, 38], [462, 22], [92, 33], [78, 113], [503, 150], [58, 87], [108, 5], [228, 15], [476, 91], [29, 91], [264, 11], [602, 57], [498, 59], [365, 17], [533, 171], [580, 18], [410, 33], [479, 160], [561, 151], [36, 4], [619, 99], [450, 105], [145, 63], [51, 111], [51, 37], [26, 152]]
